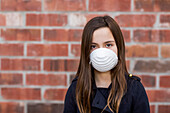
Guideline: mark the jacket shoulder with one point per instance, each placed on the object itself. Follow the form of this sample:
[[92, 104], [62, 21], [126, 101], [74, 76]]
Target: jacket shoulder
[[133, 77], [132, 81]]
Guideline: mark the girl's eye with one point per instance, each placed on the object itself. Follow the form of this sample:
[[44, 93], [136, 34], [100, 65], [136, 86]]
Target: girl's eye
[[108, 45], [93, 46]]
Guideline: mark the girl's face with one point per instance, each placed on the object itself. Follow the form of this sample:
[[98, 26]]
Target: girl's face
[[103, 38]]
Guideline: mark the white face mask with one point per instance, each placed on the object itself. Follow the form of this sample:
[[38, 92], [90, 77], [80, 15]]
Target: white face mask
[[103, 59]]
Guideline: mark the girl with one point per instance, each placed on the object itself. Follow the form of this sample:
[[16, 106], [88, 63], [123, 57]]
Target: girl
[[102, 83]]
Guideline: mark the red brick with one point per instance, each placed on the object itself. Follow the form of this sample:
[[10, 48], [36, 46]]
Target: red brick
[[11, 107], [76, 49], [158, 95], [55, 94], [65, 5], [75, 35], [164, 109], [148, 81], [45, 108], [2, 20], [164, 81], [149, 5], [165, 51], [10, 79], [21, 5], [21, 93], [165, 20], [11, 49], [152, 109], [126, 35], [136, 20], [56, 35], [109, 5], [142, 51], [151, 35], [47, 50], [20, 64], [21, 34], [152, 66], [46, 20], [42, 79], [61, 65], [62, 35]]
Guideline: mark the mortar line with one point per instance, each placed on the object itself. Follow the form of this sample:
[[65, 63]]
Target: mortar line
[[87, 5], [25, 107], [42, 5], [156, 108], [24, 79], [24, 19], [157, 81], [132, 5]]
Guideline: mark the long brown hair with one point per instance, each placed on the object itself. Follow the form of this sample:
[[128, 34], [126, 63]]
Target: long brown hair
[[85, 72]]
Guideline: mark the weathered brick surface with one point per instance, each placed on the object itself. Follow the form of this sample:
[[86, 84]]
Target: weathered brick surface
[[165, 51], [47, 50], [61, 65], [152, 66], [11, 79], [20, 64], [55, 94], [62, 35], [21, 93], [152, 109], [164, 109], [11, 49], [76, 49], [148, 80], [165, 20], [136, 20], [65, 5], [158, 95], [20, 34], [2, 20], [152, 5], [40, 47], [142, 51], [49, 80], [109, 5], [46, 20], [45, 108], [151, 36], [21, 5], [11, 107], [164, 81]]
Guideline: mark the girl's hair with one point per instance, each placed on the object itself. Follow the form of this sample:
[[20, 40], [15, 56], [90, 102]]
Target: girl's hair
[[85, 72]]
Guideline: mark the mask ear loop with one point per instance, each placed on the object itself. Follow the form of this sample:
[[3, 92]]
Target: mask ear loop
[[90, 62]]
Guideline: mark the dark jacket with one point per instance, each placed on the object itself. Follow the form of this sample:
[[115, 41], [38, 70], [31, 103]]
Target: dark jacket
[[134, 101]]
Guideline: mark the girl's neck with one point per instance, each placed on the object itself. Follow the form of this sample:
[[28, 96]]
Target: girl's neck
[[102, 79]]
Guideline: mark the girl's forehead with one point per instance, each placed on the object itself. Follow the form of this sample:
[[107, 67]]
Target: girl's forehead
[[102, 34]]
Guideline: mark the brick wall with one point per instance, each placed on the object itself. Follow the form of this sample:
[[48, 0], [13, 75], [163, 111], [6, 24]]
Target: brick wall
[[40, 49]]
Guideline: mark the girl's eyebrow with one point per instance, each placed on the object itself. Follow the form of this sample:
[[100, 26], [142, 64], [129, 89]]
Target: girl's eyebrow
[[104, 42], [109, 41]]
